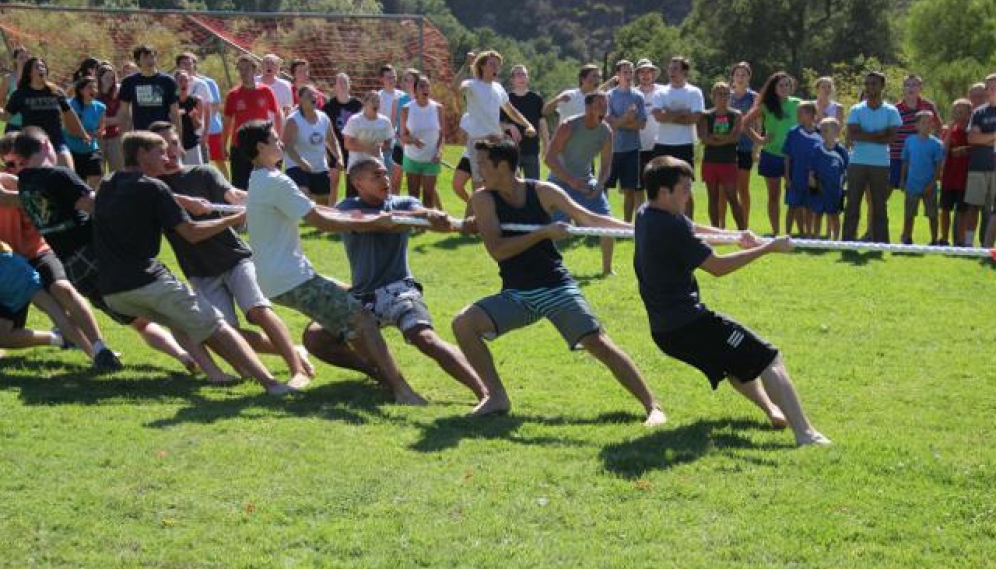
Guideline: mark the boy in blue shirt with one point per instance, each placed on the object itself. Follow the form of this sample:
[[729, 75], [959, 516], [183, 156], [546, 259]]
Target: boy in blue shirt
[[799, 144], [923, 161], [827, 169]]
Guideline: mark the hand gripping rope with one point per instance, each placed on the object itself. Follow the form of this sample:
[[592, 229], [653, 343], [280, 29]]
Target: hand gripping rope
[[731, 238]]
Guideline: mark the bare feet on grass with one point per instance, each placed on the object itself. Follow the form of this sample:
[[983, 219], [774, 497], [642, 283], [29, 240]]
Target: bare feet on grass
[[300, 380], [302, 356], [777, 419], [410, 398], [814, 438], [655, 418], [491, 405]]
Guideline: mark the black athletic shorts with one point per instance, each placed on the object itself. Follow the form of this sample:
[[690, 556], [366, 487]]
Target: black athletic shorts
[[719, 348], [19, 317], [398, 155], [464, 165], [645, 157], [50, 268], [89, 164], [745, 160], [952, 200]]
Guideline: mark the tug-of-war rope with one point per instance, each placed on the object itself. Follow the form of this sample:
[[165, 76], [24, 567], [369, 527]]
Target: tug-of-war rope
[[821, 244]]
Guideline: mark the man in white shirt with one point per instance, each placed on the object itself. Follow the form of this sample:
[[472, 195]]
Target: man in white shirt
[[677, 109], [282, 88], [646, 81], [570, 103]]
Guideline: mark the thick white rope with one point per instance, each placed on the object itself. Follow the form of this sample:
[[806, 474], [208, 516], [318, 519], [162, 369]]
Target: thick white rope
[[715, 238]]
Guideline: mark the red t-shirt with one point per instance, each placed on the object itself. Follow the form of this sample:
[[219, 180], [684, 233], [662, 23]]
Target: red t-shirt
[[955, 174], [243, 105]]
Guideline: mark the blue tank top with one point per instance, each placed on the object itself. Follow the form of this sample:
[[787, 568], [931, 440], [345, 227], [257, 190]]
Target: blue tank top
[[539, 266]]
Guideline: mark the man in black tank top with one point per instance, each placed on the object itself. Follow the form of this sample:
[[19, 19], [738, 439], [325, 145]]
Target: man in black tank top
[[535, 283]]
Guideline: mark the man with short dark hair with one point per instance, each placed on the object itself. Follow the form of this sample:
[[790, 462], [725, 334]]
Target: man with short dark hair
[[627, 116], [382, 279], [149, 95], [535, 283], [667, 253], [871, 125], [133, 209], [248, 101], [275, 207]]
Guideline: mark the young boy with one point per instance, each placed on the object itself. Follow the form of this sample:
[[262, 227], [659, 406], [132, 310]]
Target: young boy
[[923, 158], [668, 252], [719, 130], [827, 168], [799, 144], [955, 173]]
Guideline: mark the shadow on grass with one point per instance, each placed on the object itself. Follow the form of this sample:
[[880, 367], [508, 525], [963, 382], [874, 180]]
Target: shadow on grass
[[450, 242], [351, 402], [860, 258], [667, 448], [448, 432], [71, 385]]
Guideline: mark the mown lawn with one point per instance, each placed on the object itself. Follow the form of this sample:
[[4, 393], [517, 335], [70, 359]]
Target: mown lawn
[[151, 468]]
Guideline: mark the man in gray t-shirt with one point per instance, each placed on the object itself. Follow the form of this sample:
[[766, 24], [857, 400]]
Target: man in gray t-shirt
[[627, 116], [382, 280]]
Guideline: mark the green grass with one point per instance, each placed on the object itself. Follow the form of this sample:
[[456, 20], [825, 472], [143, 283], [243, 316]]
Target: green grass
[[150, 468]]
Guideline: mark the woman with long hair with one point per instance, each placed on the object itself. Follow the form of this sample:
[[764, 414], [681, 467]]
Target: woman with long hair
[[423, 130], [20, 56], [42, 104], [776, 109], [742, 98], [107, 93], [87, 158], [191, 116]]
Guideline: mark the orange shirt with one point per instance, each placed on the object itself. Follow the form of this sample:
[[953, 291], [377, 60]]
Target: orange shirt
[[19, 234]]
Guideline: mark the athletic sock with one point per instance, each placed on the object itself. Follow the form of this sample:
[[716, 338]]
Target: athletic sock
[[99, 346]]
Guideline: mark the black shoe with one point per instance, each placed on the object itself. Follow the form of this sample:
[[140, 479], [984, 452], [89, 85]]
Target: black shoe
[[943, 243], [106, 360]]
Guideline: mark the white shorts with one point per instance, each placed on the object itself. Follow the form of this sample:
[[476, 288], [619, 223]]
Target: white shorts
[[398, 304]]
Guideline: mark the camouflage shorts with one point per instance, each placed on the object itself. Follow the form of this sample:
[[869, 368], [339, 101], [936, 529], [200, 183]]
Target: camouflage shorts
[[326, 302]]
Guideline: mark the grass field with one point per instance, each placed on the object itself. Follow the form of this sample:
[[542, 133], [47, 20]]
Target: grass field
[[151, 468]]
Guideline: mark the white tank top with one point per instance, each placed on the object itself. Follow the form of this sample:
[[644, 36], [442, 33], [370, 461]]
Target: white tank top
[[310, 141], [423, 124]]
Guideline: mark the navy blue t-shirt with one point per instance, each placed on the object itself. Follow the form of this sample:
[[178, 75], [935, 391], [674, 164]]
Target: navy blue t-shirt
[[377, 259], [150, 98], [829, 166], [667, 254]]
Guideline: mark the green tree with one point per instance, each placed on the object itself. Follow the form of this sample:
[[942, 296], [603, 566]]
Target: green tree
[[648, 36], [951, 44]]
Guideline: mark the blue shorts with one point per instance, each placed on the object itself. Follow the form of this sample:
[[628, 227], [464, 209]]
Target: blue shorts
[[18, 284], [895, 172], [598, 204], [796, 196], [825, 202], [563, 306], [771, 166], [625, 170]]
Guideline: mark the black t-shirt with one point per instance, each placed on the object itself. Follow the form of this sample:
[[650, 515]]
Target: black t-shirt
[[539, 266], [150, 97], [42, 108], [49, 196], [190, 137], [340, 113], [218, 254], [531, 107], [667, 254], [130, 216], [982, 157]]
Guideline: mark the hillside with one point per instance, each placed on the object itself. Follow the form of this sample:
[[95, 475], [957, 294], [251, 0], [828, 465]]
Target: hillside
[[580, 29]]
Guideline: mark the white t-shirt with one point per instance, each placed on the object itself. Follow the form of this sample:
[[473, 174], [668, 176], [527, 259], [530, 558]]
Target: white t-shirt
[[423, 124], [648, 135], [484, 102], [310, 141], [367, 131], [274, 208], [387, 101], [282, 90], [573, 107], [685, 98]]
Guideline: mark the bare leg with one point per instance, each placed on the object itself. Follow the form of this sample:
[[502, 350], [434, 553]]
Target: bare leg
[[396, 177], [933, 229], [447, 356], [236, 351], [432, 197], [158, 338], [321, 344], [371, 346], [728, 194], [79, 311], [721, 203], [280, 342], [754, 392], [607, 245], [470, 326], [743, 193], [460, 179], [990, 236], [625, 372], [415, 188], [774, 203], [203, 359], [779, 386], [713, 199]]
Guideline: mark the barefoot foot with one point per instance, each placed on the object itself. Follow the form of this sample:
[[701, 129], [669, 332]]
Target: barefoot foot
[[814, 438], [410, 398], [491, 406], [299, 381], [302, 356]]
